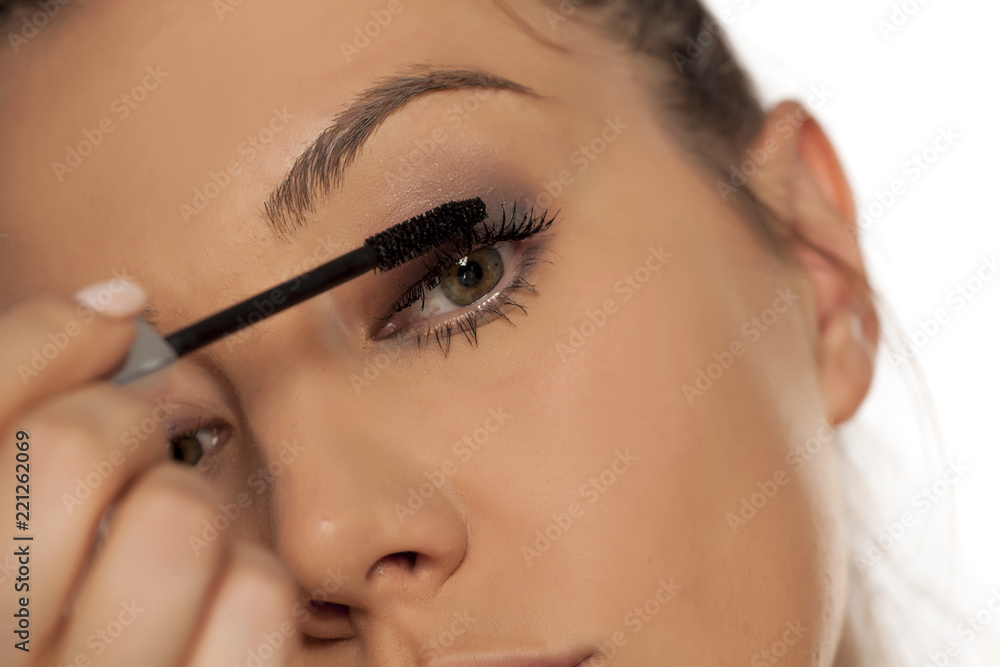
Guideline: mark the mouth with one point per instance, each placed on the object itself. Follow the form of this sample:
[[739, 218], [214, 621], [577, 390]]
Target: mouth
[[575, 659]]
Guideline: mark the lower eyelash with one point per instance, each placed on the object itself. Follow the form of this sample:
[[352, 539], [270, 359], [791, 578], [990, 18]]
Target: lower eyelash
[[494, 307]]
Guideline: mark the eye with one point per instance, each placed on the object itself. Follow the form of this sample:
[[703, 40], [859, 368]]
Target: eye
[[191, 446], [466, 287], [472, 277], [461, 284]]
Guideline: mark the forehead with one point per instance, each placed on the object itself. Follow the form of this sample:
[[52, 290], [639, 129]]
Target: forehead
[[125, 111], [119, 117]]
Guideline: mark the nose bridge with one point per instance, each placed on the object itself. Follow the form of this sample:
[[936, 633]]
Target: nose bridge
[[341, 517]]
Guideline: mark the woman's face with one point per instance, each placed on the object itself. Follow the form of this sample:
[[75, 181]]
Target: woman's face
[[612, 472]]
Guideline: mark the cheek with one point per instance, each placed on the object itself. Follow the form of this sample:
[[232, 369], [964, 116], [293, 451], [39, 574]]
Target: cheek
[[698, 492]]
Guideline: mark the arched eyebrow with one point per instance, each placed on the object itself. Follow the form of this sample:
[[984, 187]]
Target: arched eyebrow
[[321, 167]]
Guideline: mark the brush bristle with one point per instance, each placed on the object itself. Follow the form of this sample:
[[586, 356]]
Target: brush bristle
[[419, 235]]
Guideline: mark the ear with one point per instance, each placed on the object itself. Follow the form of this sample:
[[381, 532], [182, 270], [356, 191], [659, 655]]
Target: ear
[[803, 182]]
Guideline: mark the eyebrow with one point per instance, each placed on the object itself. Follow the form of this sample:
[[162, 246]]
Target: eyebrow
[[321, 168]]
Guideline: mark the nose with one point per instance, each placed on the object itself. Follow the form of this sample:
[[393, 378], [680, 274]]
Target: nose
[[361, 528]]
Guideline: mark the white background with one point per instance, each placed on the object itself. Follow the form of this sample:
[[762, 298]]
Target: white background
[[893, 90]]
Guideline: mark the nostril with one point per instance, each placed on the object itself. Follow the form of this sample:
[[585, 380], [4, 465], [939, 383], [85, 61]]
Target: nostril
[[328, 608], [404, 560], [326, 621]]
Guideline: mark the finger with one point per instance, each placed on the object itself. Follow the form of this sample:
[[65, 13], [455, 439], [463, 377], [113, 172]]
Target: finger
[[53, 343], [250, 616], [147, 585], [86, 448]]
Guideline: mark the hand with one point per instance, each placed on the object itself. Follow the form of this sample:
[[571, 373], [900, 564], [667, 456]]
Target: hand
[[143, 597]]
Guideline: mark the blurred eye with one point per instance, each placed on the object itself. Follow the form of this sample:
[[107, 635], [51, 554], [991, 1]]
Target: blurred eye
[[189, 447]]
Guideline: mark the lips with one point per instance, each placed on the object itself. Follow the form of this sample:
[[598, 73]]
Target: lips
[[514, 660]]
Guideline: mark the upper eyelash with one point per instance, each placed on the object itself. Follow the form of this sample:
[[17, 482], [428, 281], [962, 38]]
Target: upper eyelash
[[510, 228], [173, 433]]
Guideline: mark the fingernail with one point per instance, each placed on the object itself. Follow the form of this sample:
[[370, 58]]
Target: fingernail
[[115, 298]]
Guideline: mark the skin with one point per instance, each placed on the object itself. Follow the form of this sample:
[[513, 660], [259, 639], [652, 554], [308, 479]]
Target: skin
[[328, 525]]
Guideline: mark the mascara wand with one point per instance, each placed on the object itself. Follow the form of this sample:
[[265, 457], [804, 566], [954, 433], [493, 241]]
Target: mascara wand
[[382, 252]]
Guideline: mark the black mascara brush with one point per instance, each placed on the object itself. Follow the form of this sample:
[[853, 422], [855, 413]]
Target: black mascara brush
[[382, 252]]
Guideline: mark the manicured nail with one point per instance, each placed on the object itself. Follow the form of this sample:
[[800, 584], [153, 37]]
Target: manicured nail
[[115, 298]]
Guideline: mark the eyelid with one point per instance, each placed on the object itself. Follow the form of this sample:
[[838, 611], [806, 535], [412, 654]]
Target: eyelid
[[515, 252], [509, 228], [526, 230]]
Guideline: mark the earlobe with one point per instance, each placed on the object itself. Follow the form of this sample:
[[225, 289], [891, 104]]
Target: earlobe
[[845, 364], [804, 183]]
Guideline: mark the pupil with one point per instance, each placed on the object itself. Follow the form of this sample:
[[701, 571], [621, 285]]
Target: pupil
[[470, 274]]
